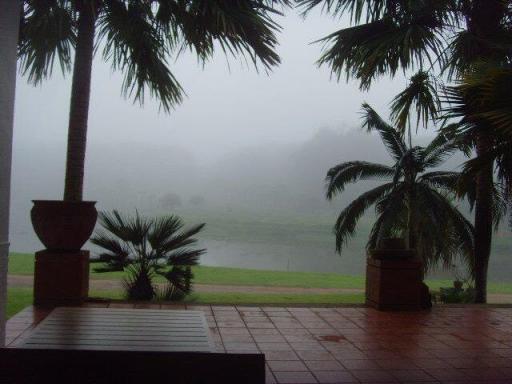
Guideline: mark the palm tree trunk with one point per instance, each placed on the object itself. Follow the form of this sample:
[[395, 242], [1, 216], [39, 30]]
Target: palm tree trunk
[[484, 22], [79, 107], [483, 222], [411, 215]]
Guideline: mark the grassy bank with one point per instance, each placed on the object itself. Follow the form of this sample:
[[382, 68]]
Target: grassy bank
[[19, 298], [23, 264]]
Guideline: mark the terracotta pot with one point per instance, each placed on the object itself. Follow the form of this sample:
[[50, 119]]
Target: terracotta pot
[[457, 284], [63, 225]]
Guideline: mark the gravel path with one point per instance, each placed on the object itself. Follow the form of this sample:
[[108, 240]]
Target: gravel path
[[105, 285]]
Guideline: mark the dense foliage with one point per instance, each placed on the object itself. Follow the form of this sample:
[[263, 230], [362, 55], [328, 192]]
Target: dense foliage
[[454, 39]]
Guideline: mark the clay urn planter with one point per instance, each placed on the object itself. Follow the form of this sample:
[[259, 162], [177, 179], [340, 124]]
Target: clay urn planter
[[63, 225], [61, 272]]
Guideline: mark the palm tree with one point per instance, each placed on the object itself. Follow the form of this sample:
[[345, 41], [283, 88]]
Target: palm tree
[[415, 202], [144, 248], [138, 38], [450, 35], [483, 98]]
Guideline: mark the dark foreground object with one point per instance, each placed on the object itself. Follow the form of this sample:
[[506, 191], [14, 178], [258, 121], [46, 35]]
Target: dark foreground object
[[61, 278], [24, 366], [396, 284], [63, 225]]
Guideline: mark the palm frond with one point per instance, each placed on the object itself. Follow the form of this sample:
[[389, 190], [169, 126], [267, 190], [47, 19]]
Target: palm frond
[[447, 181], [339, 176], [390, 136], [135, 46], [347, 220], [421, 93], [185, 257], [391, 220], [244, 27], [182, 239], [381, 47], [371, 10], [163, 229], [47, 32], [449, 218]]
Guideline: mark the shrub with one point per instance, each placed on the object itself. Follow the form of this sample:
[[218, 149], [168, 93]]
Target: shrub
[[147, 247]]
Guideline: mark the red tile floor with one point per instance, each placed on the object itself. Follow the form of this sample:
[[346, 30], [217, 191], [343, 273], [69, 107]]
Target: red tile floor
[[354, 345]]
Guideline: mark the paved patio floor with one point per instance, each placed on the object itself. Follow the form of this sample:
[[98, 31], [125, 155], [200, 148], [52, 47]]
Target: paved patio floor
[[353, 344]]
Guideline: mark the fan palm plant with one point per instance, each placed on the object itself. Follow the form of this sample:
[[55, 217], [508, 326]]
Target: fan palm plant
[[145, 248], [452, 36], [416, 202], [138, 38]]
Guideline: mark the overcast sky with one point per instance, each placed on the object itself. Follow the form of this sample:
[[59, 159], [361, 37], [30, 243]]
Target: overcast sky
[[226, 109]]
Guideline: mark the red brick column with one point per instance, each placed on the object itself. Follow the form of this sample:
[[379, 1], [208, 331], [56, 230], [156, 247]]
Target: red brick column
[[61, 277]]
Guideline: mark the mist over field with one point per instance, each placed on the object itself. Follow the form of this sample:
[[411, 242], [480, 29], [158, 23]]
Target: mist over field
[[264, 205], [246, 153]]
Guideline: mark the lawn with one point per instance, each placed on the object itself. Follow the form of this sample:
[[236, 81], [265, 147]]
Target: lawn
[[19, 298], [23, 264]]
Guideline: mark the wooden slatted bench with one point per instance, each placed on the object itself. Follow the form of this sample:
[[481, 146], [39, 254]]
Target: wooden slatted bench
[[100, 345]]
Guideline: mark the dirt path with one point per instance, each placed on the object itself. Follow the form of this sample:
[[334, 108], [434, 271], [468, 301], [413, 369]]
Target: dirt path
[[105, 285]]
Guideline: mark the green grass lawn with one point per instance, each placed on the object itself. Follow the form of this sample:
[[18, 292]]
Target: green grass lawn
[[19, 298], [23, 264]]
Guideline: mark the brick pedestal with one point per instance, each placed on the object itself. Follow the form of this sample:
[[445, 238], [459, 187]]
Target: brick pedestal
[[394, 284], [61, 278]]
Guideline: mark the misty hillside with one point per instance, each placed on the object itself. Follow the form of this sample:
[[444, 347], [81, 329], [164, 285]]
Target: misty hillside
[[264, 205]]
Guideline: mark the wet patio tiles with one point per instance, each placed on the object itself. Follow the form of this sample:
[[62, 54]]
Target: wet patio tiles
[[281, 355], [267, 325], [399, 364], [495, 362], [322, 365], [447, 374], [359, 364], [269, 338], [334, 377], [374, 376], [354, 344], [411, 375], [264, 331], [432, 363], [307, 346], [287, 366], [315, 355], [295, 377], [267, 347], [299, 338]]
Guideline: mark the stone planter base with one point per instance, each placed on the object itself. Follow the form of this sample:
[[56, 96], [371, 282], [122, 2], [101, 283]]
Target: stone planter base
[[61, 278], [395, 284]]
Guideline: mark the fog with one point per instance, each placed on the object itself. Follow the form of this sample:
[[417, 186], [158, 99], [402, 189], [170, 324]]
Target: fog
[[246, 153]]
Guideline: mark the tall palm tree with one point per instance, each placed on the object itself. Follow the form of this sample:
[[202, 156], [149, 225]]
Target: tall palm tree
[[415, 202], [144, 248], [451, 36], [138, 38]]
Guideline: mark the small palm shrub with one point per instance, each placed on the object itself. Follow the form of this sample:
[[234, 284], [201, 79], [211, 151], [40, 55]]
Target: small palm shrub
[[144, 248]]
